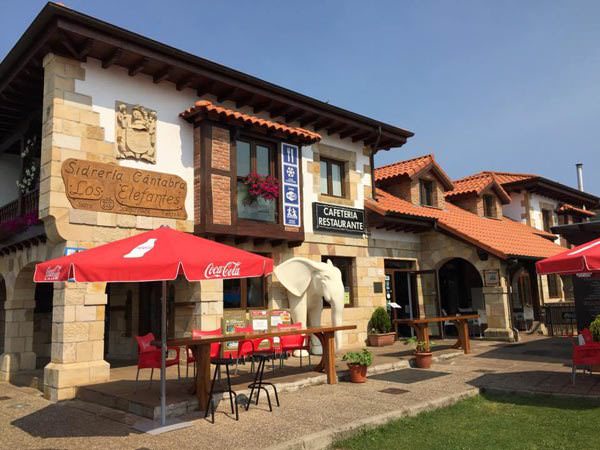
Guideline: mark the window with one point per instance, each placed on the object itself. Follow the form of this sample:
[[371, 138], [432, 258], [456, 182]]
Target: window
[[553, 286], [345, 266], [426, 192], [546, 219], [254, 157], [332, 177], [244, 293], [489, 206]]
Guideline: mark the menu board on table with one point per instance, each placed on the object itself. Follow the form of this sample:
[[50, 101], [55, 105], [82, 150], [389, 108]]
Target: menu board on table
[[290, 169], [259, 319], [279, 317], [232, 319]]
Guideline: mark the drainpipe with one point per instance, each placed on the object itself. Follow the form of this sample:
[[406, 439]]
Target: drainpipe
[[372, 162]]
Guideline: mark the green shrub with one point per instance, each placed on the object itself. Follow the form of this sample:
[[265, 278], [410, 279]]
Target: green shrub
[[420, 346], [380, 321], [363, 358], [595, 328]]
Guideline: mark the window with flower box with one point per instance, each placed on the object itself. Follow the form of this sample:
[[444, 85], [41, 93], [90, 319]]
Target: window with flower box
[[257, 185]]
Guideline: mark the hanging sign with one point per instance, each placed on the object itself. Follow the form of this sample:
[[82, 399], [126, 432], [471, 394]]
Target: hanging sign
[[338, 219], [290, 175]]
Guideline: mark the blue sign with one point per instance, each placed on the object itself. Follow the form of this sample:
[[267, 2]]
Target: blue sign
[[290, 175], [290, 168], [290, 195], [292, 216]]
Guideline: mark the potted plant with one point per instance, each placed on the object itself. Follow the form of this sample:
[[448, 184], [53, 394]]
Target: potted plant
[[423, 355], [357, 364], [380, 326], [260, 187], [595, 328]]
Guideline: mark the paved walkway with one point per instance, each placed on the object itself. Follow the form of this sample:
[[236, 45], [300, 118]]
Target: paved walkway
[[307, 415]]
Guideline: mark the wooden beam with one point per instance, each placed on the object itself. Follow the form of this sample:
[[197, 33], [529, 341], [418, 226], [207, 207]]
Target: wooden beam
[[244, 100], [308, 120], [85, 49], [348, 132], [279, 111], [138, 67], [262, 106], [336, 129], [112, 58], [68, 44], [204, 88], [361, 136], [224, 95], [161, 74], [290, 117], [184, 82], [323, 124]]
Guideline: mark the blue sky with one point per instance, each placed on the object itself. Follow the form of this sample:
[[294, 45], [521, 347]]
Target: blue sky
[[485, 85]]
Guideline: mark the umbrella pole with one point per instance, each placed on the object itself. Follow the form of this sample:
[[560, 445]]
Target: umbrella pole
[[163, 355]]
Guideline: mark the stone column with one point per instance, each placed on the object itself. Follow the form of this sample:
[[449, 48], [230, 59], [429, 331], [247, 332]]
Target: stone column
[[77, 340], [18, 336], [210, 309], [497, 308]]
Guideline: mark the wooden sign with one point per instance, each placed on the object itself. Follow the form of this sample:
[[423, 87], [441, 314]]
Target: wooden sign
[[111, 188]]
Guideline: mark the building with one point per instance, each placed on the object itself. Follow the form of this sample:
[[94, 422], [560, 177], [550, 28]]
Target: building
[[105, 133], [474, 241]]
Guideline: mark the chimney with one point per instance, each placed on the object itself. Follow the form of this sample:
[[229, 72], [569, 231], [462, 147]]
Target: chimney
[[579, 176]]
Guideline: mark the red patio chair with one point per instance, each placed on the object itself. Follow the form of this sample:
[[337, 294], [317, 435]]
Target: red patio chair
[[215, 348], [288, 344], [585, 356], [244, 350], [149, 356]]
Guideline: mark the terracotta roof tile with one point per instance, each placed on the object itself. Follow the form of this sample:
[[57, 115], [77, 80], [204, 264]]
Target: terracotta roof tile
[[503, 238], [508, 177], [567, 208], [476, 184], [306, 136], [410, 168]]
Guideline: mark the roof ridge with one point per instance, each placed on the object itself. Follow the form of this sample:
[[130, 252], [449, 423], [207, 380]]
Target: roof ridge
[[429, 155]]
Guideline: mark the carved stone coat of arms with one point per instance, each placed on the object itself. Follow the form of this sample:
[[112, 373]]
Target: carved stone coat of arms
[[136, 132]]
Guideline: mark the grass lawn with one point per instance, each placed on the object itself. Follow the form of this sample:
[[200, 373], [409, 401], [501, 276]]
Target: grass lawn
[[491, 422]]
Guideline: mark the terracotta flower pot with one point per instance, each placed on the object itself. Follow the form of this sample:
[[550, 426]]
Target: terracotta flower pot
[[358, 373], [381, 339], [423, 360]]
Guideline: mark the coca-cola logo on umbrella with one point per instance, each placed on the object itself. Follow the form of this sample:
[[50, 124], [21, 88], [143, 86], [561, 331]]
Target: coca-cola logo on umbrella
[[230, 269], [53, 273]]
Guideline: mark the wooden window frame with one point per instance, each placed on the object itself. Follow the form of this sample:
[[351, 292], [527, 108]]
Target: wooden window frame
[[553, 286], [273, 168], [422, 190], [244, 296], [549, 214], [328, 163], [489, 210], [350, 276]]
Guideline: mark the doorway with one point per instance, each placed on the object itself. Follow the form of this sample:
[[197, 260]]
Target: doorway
[[150, 309]]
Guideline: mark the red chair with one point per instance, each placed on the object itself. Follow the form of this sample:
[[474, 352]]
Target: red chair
[[244, 350], [149, 356], [215, 349], [586, 356], [288, 344]]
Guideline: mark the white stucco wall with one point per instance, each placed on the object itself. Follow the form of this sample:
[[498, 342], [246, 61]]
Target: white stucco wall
[[174, 136], [514, 209], [10, 168]]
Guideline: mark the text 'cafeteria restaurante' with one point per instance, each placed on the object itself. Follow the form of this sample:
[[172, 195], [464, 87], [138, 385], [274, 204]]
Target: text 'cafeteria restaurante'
[[122, 134]]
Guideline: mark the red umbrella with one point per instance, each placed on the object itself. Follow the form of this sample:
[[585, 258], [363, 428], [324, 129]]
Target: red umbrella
[[158, 255], [582, 259]]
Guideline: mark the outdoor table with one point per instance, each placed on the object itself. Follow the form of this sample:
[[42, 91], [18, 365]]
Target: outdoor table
[[201, 350], [421, 327]]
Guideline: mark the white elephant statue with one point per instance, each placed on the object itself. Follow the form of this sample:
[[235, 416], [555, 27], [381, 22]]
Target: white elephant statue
[[307, 283]]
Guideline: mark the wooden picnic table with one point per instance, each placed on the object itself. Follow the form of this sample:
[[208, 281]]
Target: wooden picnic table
[[421, 327], [201, 350]]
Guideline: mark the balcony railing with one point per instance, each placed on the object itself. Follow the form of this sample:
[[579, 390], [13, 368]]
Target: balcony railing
[[19, 214]]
